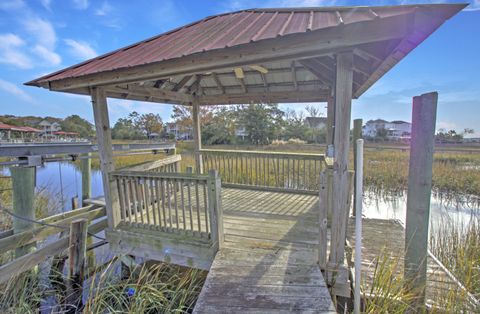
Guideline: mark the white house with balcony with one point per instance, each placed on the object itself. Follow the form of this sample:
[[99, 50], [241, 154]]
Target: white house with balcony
[[395, 130], [179, 132]]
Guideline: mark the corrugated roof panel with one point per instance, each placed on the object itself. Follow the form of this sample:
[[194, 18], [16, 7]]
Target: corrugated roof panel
[[324, 20], [298, 23], [234, 29]]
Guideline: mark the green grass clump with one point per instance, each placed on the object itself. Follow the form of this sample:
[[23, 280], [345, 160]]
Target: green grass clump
[[457, 246], [149, 288]]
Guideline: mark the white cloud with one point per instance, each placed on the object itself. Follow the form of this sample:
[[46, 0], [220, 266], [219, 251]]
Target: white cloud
[[50, 56], [11, 53], [11, 4], [15, 90], [42, 30], [81, 4], [81, 49], [105, 9], [46, 4]]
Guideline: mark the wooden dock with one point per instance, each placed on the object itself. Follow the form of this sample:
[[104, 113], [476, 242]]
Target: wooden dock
[[269, 259], [386, 238]]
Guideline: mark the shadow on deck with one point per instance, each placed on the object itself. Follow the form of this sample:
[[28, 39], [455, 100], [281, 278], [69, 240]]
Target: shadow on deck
[[269, 259]]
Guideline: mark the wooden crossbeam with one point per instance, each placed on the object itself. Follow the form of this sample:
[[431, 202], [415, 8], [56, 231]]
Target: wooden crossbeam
[[182, 83], [217, 81], [266, 97], [314, 67], [150, 92], [294, 75]]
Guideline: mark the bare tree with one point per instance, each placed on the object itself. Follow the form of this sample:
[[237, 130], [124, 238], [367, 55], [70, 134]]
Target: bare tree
[[313, 111]]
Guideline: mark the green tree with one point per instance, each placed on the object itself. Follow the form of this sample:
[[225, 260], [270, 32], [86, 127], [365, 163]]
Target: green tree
[[263, 122], [125, 129], [149, 123], [75, 123]]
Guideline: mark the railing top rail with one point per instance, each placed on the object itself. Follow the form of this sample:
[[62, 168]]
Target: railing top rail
[[253, 152], [160, 175]]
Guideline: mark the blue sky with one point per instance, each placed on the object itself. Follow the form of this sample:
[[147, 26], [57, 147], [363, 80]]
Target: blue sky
[[40, 36]]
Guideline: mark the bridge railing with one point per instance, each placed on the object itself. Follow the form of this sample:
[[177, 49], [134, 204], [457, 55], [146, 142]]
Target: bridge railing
[[295, 172], [173, 203]]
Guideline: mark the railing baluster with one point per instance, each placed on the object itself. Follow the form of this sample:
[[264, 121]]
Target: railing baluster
[[146, 200], [127, 199], [198, 211], [174, 188], [189, 193], [152, 201], [163, 192], [182, 184], [157, 195], [121, 200], [205, 204], [169, 202]]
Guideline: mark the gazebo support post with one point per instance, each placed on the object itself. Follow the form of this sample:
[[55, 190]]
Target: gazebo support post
[[197, 136], [330, 122], [343, 102], [104, 141]]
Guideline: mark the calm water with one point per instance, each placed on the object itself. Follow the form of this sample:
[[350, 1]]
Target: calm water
[[65, 179]]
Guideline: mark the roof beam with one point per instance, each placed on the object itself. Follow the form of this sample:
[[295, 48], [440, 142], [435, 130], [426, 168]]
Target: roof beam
[[294, 75], [262, 97], [181, 83], [219, 84], [314, 43], [150, 92], [316, 70]]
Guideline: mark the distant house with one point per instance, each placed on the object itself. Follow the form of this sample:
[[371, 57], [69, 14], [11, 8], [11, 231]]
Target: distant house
[[11, 132], [241, 131], [49, 128], [318, 123], [395, 130], [179, 133]]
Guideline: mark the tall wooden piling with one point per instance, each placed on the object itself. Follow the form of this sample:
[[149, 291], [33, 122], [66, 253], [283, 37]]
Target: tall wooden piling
[[23, 182], [357, 134], [419, 191], [197, 136], [76, 264], [86, 170]]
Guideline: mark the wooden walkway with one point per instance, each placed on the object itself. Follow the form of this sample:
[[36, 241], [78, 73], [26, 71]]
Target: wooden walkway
[[386, 238], [268, 263]]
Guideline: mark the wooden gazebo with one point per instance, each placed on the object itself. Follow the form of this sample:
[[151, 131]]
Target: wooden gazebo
[[288, 55]]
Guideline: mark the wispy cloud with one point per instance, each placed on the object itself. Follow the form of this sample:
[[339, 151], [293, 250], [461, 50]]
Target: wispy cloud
[[11, 51], [104, 9], [11, 5], [80, 49], [81, 4], [13, 89], [46, 38], [46, 4]]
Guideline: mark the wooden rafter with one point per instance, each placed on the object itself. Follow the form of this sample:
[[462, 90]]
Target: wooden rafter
[[219, 84], [265, 82], [294, 75], [149, 93], [283, 96], [195, 86], [313, 67], [243, 85], [181, 83]]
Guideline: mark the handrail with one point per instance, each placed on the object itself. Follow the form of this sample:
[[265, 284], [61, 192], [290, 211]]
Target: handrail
[[173, 203], [276, 171]]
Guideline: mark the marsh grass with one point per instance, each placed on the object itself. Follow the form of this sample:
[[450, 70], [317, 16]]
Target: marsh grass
[[388, 292], [457, 246], [149, 288]]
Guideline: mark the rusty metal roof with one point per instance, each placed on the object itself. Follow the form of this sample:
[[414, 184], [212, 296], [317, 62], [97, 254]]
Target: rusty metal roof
[[232, 29]]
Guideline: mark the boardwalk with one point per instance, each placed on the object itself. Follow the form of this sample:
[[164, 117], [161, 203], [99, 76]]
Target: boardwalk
[[387, 237], [268, 264]]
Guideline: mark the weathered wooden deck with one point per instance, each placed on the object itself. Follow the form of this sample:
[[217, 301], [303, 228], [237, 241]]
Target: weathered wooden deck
[[269, 260], [385, 239]]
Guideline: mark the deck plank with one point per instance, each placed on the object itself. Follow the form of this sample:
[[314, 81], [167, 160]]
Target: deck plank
[[269, 262]]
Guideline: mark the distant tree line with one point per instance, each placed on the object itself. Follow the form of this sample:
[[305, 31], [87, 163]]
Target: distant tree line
[[263, 123]]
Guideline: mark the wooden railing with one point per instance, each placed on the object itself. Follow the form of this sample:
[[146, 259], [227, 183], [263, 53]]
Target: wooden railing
[[270, 170], [57, 224], [167, 164], [173, 203]]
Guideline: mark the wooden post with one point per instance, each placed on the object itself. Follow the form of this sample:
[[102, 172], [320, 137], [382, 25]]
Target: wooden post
[[86, 170], [419, 189], [76, 264], [343, 101], [357, 134], [323, 221], [104, 139], [330, 122], [23, 182], [197, 136], [215, 204], [358, 220]]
